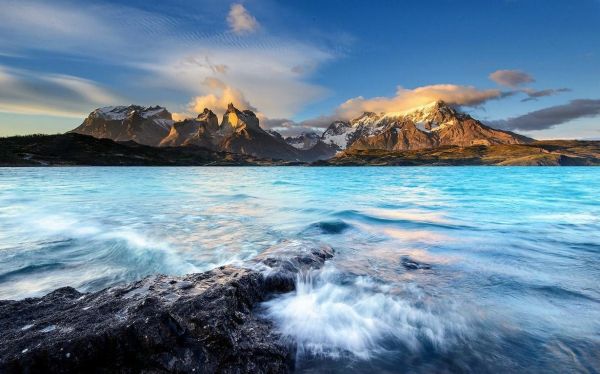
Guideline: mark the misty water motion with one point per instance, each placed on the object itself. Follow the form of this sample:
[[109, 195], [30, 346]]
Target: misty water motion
[[435, 269]]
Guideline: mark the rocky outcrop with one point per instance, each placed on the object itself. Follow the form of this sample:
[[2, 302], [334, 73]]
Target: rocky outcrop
[[143, 125], [196, 323]]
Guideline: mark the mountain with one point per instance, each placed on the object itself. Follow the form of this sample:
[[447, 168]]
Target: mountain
[[305, 140], [200, 131], [430, 126], [143, 125], [240, 132], [426, 127]]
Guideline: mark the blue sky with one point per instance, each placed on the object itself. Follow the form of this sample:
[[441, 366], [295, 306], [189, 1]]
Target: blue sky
[[526, 65]]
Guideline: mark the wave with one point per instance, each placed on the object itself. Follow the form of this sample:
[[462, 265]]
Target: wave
[[86, 254], [332, 315], [409, 219]]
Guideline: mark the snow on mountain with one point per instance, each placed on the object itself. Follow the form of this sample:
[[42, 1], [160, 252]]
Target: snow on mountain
[[306, 140], [427, 119], [145, 125]]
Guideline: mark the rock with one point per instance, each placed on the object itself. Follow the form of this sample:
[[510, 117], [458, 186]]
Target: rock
[[413, 265], [196, 323]]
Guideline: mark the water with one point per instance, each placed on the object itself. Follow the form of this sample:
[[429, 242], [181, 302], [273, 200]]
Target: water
[[436, 269]]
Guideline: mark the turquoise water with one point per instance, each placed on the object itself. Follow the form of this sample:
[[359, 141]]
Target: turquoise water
[[436, 269]]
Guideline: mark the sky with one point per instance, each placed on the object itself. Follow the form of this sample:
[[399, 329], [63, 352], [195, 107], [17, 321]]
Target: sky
[[530, 66]]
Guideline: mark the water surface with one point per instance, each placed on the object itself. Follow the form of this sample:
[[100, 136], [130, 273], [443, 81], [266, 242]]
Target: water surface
[[436, 269]]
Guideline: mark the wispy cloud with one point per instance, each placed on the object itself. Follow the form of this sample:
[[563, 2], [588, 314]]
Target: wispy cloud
[[262, 72], [550, 117], [27, 92], [174, 54], [533, 94], [511, 78], [240, 20]]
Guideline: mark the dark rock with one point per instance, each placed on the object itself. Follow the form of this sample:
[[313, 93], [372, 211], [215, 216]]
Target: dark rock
[[330, 227], [413, 265], [196, 323]]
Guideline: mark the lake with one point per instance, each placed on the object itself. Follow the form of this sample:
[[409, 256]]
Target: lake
[[437, 269]]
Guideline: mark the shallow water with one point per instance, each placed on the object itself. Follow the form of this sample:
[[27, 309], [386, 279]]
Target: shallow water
[[436, 270]]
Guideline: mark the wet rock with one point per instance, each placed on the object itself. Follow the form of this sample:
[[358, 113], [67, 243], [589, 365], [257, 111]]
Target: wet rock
[[330, 227], [196, 323], [413, 265]]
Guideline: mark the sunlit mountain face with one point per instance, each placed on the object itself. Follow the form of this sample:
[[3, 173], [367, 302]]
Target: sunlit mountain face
[[266, 186]]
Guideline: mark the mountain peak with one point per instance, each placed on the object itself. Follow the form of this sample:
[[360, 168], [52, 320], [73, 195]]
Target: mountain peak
[[205, 112], [440, 103]]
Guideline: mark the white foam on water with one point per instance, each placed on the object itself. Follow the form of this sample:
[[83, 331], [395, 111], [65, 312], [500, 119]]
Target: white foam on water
[[326, 317]]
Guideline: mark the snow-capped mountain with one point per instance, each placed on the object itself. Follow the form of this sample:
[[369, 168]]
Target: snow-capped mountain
[[305, 140], [238, 132], [144, 125], [428, 126]]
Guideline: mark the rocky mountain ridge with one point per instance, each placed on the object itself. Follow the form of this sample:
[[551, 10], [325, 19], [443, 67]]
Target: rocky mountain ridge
[[238, 132], [429, 126]]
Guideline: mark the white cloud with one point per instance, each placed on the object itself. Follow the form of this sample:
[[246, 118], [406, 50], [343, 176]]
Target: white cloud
[[240, 20], [409, 98], [264, 76], [169, 54]]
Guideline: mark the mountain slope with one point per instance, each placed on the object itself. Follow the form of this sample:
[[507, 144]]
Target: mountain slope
[[538, 153]]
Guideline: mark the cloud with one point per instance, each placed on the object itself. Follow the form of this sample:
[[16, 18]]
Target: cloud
[[240, 20], [550, 117], [287, 127], [170, 56], [263, 75], [27, 92], [409, 98], [533, 94], [220, 97], [511, 78]]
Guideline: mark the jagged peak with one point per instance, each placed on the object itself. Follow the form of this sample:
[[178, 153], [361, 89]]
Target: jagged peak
[[206, 113], [120, 112]]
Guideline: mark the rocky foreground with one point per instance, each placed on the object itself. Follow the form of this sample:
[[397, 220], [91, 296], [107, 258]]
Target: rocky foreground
[[204, 322]]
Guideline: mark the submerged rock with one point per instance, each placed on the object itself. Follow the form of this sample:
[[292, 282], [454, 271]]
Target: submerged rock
[[196, 323], [414, 265]]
